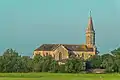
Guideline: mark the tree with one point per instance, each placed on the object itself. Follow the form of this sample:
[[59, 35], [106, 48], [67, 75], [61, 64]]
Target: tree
[[27, 64], [10, 61], [37, 63], [116, 55], [47, 61], [108, 62], [54, 66], [10, 53], [116, 52], [96, 61], [74, 65]]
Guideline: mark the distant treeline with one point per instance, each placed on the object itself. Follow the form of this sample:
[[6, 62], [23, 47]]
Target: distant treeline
[[11, 61]]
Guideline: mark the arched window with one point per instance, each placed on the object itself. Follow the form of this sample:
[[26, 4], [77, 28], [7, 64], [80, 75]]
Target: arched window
[[47, 54], [82, 55], [54, 56], [43, 54], [60, 56], [78, 55]]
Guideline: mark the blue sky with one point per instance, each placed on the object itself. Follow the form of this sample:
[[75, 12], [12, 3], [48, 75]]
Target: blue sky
[[26, 24]]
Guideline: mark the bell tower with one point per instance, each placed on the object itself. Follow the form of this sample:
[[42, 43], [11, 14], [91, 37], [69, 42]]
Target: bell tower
[[90, 33]]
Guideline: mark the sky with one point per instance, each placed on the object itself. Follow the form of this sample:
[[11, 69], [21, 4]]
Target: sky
[[26, 24]]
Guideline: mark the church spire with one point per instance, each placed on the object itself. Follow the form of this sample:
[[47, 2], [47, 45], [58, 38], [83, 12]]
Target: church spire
[[90, 33], [90, 23]]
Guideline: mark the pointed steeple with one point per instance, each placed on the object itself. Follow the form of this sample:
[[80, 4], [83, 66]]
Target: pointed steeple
[[90, 23], [90, 33]]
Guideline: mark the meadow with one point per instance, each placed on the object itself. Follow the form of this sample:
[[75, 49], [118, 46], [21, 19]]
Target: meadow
[[57, 76]]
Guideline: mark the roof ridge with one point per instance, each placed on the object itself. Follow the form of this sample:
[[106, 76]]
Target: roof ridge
[[56, 47]]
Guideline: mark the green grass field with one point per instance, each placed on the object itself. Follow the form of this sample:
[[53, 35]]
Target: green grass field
[[57, 76]]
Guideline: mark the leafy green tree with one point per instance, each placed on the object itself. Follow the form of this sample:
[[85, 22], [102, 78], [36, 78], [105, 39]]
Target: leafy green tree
[[74, 65], [11, 61], [54, 66], [116, 55], [27, 64], [61, 68], [47, 61], [10, 58], [10, 53], [96, 61], [108, 62], [37, 63], [116, 52]]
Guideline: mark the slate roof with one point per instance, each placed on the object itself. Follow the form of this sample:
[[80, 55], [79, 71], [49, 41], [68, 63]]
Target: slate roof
[[70, 47]]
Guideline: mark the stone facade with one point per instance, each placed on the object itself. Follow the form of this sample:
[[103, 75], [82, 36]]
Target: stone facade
[[59, 53], [64, 51]]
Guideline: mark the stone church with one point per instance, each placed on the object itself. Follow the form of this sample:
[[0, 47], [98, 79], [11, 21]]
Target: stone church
[[65, 51]]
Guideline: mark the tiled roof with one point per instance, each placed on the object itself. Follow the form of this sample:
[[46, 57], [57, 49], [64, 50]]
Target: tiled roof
[[78, 47], [47, 47], [70, 47]]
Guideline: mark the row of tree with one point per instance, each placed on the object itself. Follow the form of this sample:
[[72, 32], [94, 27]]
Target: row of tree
[[110, 62], [11, 61]]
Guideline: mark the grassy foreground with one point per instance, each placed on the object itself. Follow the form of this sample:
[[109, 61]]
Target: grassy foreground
[[57, 76]]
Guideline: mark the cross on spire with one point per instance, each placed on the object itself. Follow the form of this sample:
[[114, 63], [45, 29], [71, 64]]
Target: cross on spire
[[90, 13]]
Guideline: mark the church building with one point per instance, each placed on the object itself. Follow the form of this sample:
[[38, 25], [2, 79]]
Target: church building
[[65, 51]]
